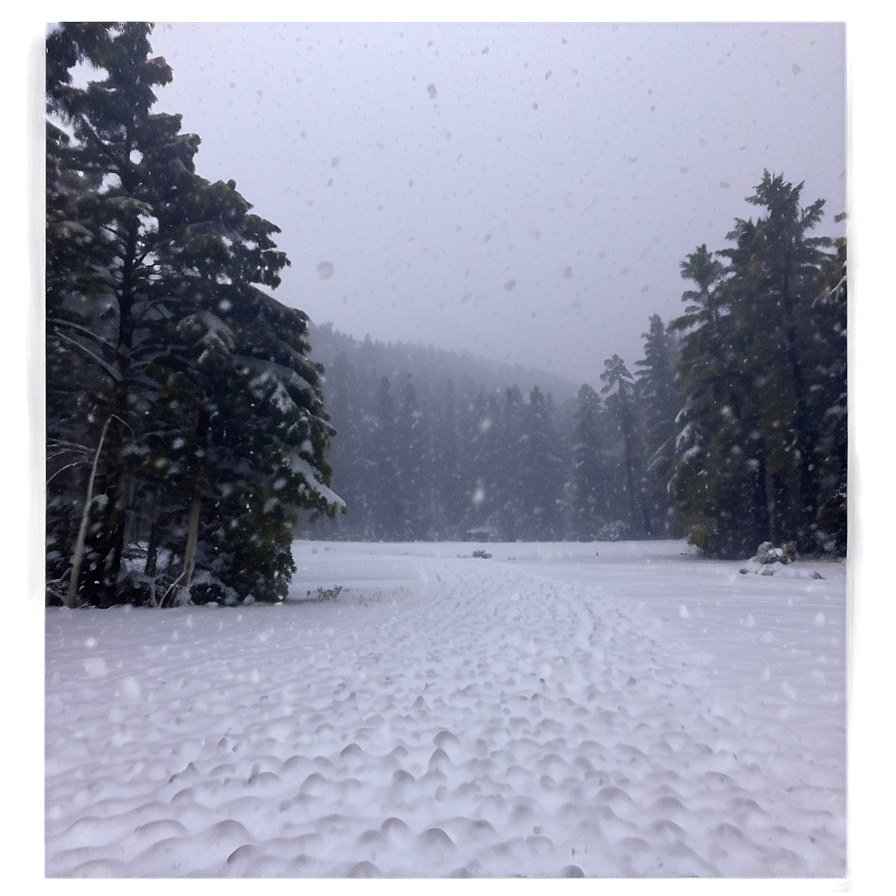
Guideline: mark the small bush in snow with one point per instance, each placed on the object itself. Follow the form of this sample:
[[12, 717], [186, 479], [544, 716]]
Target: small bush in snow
[[767, 553], [328, 593]]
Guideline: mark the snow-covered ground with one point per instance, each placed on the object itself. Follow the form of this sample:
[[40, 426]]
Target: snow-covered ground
[[548, 712]]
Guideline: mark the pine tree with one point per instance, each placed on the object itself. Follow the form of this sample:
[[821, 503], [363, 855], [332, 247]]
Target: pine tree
[[589, 483], [660, 399], [258, 447], [389, 506], [76, 378], [621, 401], [717, 477], [756, 339], [509, 471], [153, 283], [775, 268], [346, 403], [542, 470], [484, 476], [450, 503], [104, 242], [828, 392], [413, 461]]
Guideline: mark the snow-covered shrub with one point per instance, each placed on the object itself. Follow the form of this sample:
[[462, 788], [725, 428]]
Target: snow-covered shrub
[[328, 593], [767, 553]]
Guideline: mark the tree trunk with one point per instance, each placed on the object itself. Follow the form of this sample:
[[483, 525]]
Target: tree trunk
[[637, 505], [183, 591], [803, 511], [152, 547], [630, 482], [112, 538], [645, 511], [71, 594]]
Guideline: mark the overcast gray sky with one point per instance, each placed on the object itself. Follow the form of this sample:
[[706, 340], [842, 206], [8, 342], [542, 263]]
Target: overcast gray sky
[[524, 191]]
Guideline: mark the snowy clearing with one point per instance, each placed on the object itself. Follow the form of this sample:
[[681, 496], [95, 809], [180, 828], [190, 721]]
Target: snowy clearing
[[548, 712]]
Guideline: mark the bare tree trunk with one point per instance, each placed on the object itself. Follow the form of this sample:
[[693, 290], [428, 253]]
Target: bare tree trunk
[[183, 592], [152, 546], [111, 543], [71, 594]]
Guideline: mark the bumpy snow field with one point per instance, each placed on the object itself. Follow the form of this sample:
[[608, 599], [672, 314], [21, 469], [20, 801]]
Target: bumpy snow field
[[547, 712]]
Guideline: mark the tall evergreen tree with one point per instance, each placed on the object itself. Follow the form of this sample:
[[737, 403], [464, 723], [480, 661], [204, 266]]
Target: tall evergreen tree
[[389, 503], [717, 476], [258, 449], [775, 268], [542, 470], [747, 458], [484, 474], [137, 165], [77, 376], [660, 400], [350, 412], [589, 481], [153, 278], [511, 478], [451, 502], [413, 461], [828, 362], [621, 401]]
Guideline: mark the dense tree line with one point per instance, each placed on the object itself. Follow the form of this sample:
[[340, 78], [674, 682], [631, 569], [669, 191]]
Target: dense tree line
[[731, 430], [429, 448], [186, 429]]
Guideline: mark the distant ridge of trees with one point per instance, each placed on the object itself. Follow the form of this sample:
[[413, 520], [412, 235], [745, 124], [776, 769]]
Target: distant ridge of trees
[[432, 444], [429, 362]]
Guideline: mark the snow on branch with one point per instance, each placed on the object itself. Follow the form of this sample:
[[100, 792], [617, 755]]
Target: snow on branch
[[105, 365], [215, 328], [303, 467], [58, 322], [288, 378], [835, 294]]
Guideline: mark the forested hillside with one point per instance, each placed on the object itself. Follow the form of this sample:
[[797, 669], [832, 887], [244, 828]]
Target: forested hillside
[[436, 445]]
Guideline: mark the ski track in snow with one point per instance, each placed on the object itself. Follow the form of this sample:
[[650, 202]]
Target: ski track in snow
[[545, 713]]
